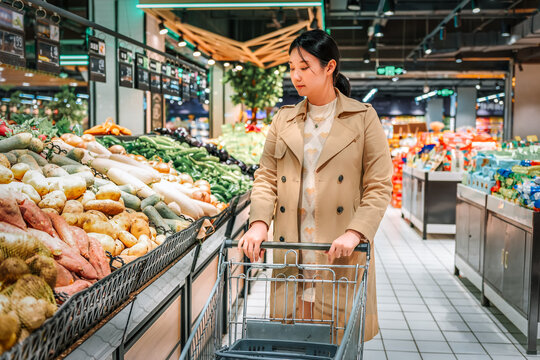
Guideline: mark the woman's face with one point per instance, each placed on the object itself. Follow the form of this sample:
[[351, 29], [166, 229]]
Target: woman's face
[[307, 74]]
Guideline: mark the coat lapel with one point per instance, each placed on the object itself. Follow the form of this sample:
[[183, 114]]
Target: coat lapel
[[293, 137], [341, 135]]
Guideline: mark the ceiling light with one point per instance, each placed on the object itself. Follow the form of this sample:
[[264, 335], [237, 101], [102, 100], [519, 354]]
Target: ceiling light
[[370, 95], [459, 58], [25, 84], [211, 62], [276, 72], [214, 5], [29, 74], [498, 86], [353, 5], [395, 78], [427, 49], [366, 58], [505, 30], [457, 20], [239, 67], [478, 86], [227, 64], [73, 84], [442, 33], [389, 7], [377, 31], [162, 29], [371, 46], [182, 43], [2, 80], [475, 7], [196, 53], [426, 88]]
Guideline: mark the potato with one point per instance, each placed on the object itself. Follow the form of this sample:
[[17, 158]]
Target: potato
[[50, 211], [139, 215], [73, 207], [101, 227], [123, 220], [127, 238], [99, 214], [74, 186], [19, 170], [126, 258], [73, 219], [140, 227], [36, 179], [119, 247], [105, 240], [153, 233], [87, 196], [54, 200], [4, 161], [109, 192], [52, 170], [6, 176], [108, 207], [160, 239], [138, 249]]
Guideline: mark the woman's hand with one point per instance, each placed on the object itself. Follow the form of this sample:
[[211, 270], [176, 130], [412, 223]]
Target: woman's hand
[[344, 245], [250, 243]]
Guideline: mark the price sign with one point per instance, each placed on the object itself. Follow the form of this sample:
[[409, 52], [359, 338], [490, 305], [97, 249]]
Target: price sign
[[142, 81], [12, 49], [125, 67], [47, 46], [155, 76], [96, 59]]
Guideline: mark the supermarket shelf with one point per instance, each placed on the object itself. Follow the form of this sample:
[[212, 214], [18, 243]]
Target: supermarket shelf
[[511, 211]]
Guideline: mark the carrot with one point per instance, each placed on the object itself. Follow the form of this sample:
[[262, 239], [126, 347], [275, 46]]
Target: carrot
[[82, 241], [64, 231]]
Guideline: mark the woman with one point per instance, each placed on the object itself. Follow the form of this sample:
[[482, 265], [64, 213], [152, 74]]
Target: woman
[[325, 177]]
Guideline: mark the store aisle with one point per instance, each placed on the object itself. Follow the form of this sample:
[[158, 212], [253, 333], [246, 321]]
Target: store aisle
[[425, 311]]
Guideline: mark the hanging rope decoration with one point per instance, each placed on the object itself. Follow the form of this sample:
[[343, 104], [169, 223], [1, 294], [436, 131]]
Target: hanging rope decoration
[[18, 4]]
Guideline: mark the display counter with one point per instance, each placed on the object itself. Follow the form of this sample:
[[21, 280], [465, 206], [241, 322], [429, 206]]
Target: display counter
[[498, 249], [429, 200]]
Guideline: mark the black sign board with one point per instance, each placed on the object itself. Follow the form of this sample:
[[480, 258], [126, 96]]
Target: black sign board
[[12, 49], [125, 67], [47, 46], [96, 59], [186, 79], [142, 81], [175, 82], [155, 76]]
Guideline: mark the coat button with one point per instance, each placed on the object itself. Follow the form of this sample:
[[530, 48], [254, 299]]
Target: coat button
[[282, 209], [340, 179], [340, 210], [281, 238], [283, 179]]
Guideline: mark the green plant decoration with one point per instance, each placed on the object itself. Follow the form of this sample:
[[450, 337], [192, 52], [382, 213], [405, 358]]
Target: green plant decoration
[[67, 108], [255, 87]]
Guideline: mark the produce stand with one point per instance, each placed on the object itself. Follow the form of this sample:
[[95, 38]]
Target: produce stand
[[503, 238], [429, 200]]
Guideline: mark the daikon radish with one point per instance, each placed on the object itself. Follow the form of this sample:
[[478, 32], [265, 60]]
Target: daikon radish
[[209, 209], [120, 177], [97, 148], [171, 194], [104, 165], [130, 161]]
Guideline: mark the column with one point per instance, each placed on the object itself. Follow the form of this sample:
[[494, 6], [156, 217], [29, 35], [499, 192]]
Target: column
[[466, 107]]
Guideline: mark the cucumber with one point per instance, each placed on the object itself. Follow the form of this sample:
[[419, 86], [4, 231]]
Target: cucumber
[[150, 201], [128, 189], [131, 201], [61, 160], [76, 154], [12, 157], [36, 145], [177, 225], [19, 141], [99, 182], [74, 169], [165, 211], [39, 159], [30, 161], [155, 218]]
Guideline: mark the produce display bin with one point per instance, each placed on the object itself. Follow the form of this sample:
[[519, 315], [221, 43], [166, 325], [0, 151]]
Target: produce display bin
[[429, 200]]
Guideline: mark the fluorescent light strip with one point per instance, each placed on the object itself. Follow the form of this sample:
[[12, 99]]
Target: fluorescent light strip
[[74, 57], [83, 96], [370, 95], [426, 96], [490, 97], [44, 98], [27, 96], [65, 63], [229, 5]]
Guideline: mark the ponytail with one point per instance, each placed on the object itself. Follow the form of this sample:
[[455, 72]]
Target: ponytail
[[342, 84]]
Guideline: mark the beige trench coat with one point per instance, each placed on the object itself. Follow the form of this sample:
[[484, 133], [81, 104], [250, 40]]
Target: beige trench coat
[[353, 179]]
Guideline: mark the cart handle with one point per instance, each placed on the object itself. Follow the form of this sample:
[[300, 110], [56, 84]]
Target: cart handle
[[363, 247]]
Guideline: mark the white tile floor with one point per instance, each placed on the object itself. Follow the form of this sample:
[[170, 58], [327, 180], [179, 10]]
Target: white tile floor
[[425, 312]]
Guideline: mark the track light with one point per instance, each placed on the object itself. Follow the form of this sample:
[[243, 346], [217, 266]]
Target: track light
[[353, 5], [377, 31], [371, 46], [239, 67], [162, 29], [367, 58], [459, 59], [478, 86], [182, 43], [314, 24], [427, 49], [389, 7], [196, 53], [457, 20], [505, 29], [475, 7], [226, 64], [442, 33], [211, 62]]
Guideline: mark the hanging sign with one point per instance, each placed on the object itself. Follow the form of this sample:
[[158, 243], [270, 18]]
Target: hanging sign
[[125, 67], [142, 81], [390, 70], [166, 79], [47, 46], [12, 50], [96, 59], [175, 82], [186, 77], [155, 76]]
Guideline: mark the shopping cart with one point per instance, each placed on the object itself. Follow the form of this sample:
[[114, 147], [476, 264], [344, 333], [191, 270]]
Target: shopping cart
[[267, 334]]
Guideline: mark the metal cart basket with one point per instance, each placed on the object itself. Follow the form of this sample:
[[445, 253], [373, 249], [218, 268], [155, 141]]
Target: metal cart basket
[[277, 327]]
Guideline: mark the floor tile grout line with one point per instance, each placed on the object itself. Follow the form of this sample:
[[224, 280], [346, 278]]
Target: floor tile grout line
[[451, 304]]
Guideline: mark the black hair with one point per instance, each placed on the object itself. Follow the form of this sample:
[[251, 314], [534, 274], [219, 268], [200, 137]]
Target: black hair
[[321, 45]]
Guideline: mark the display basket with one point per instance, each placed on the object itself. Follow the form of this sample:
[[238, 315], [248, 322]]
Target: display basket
[[171, 249], [78, 315]]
